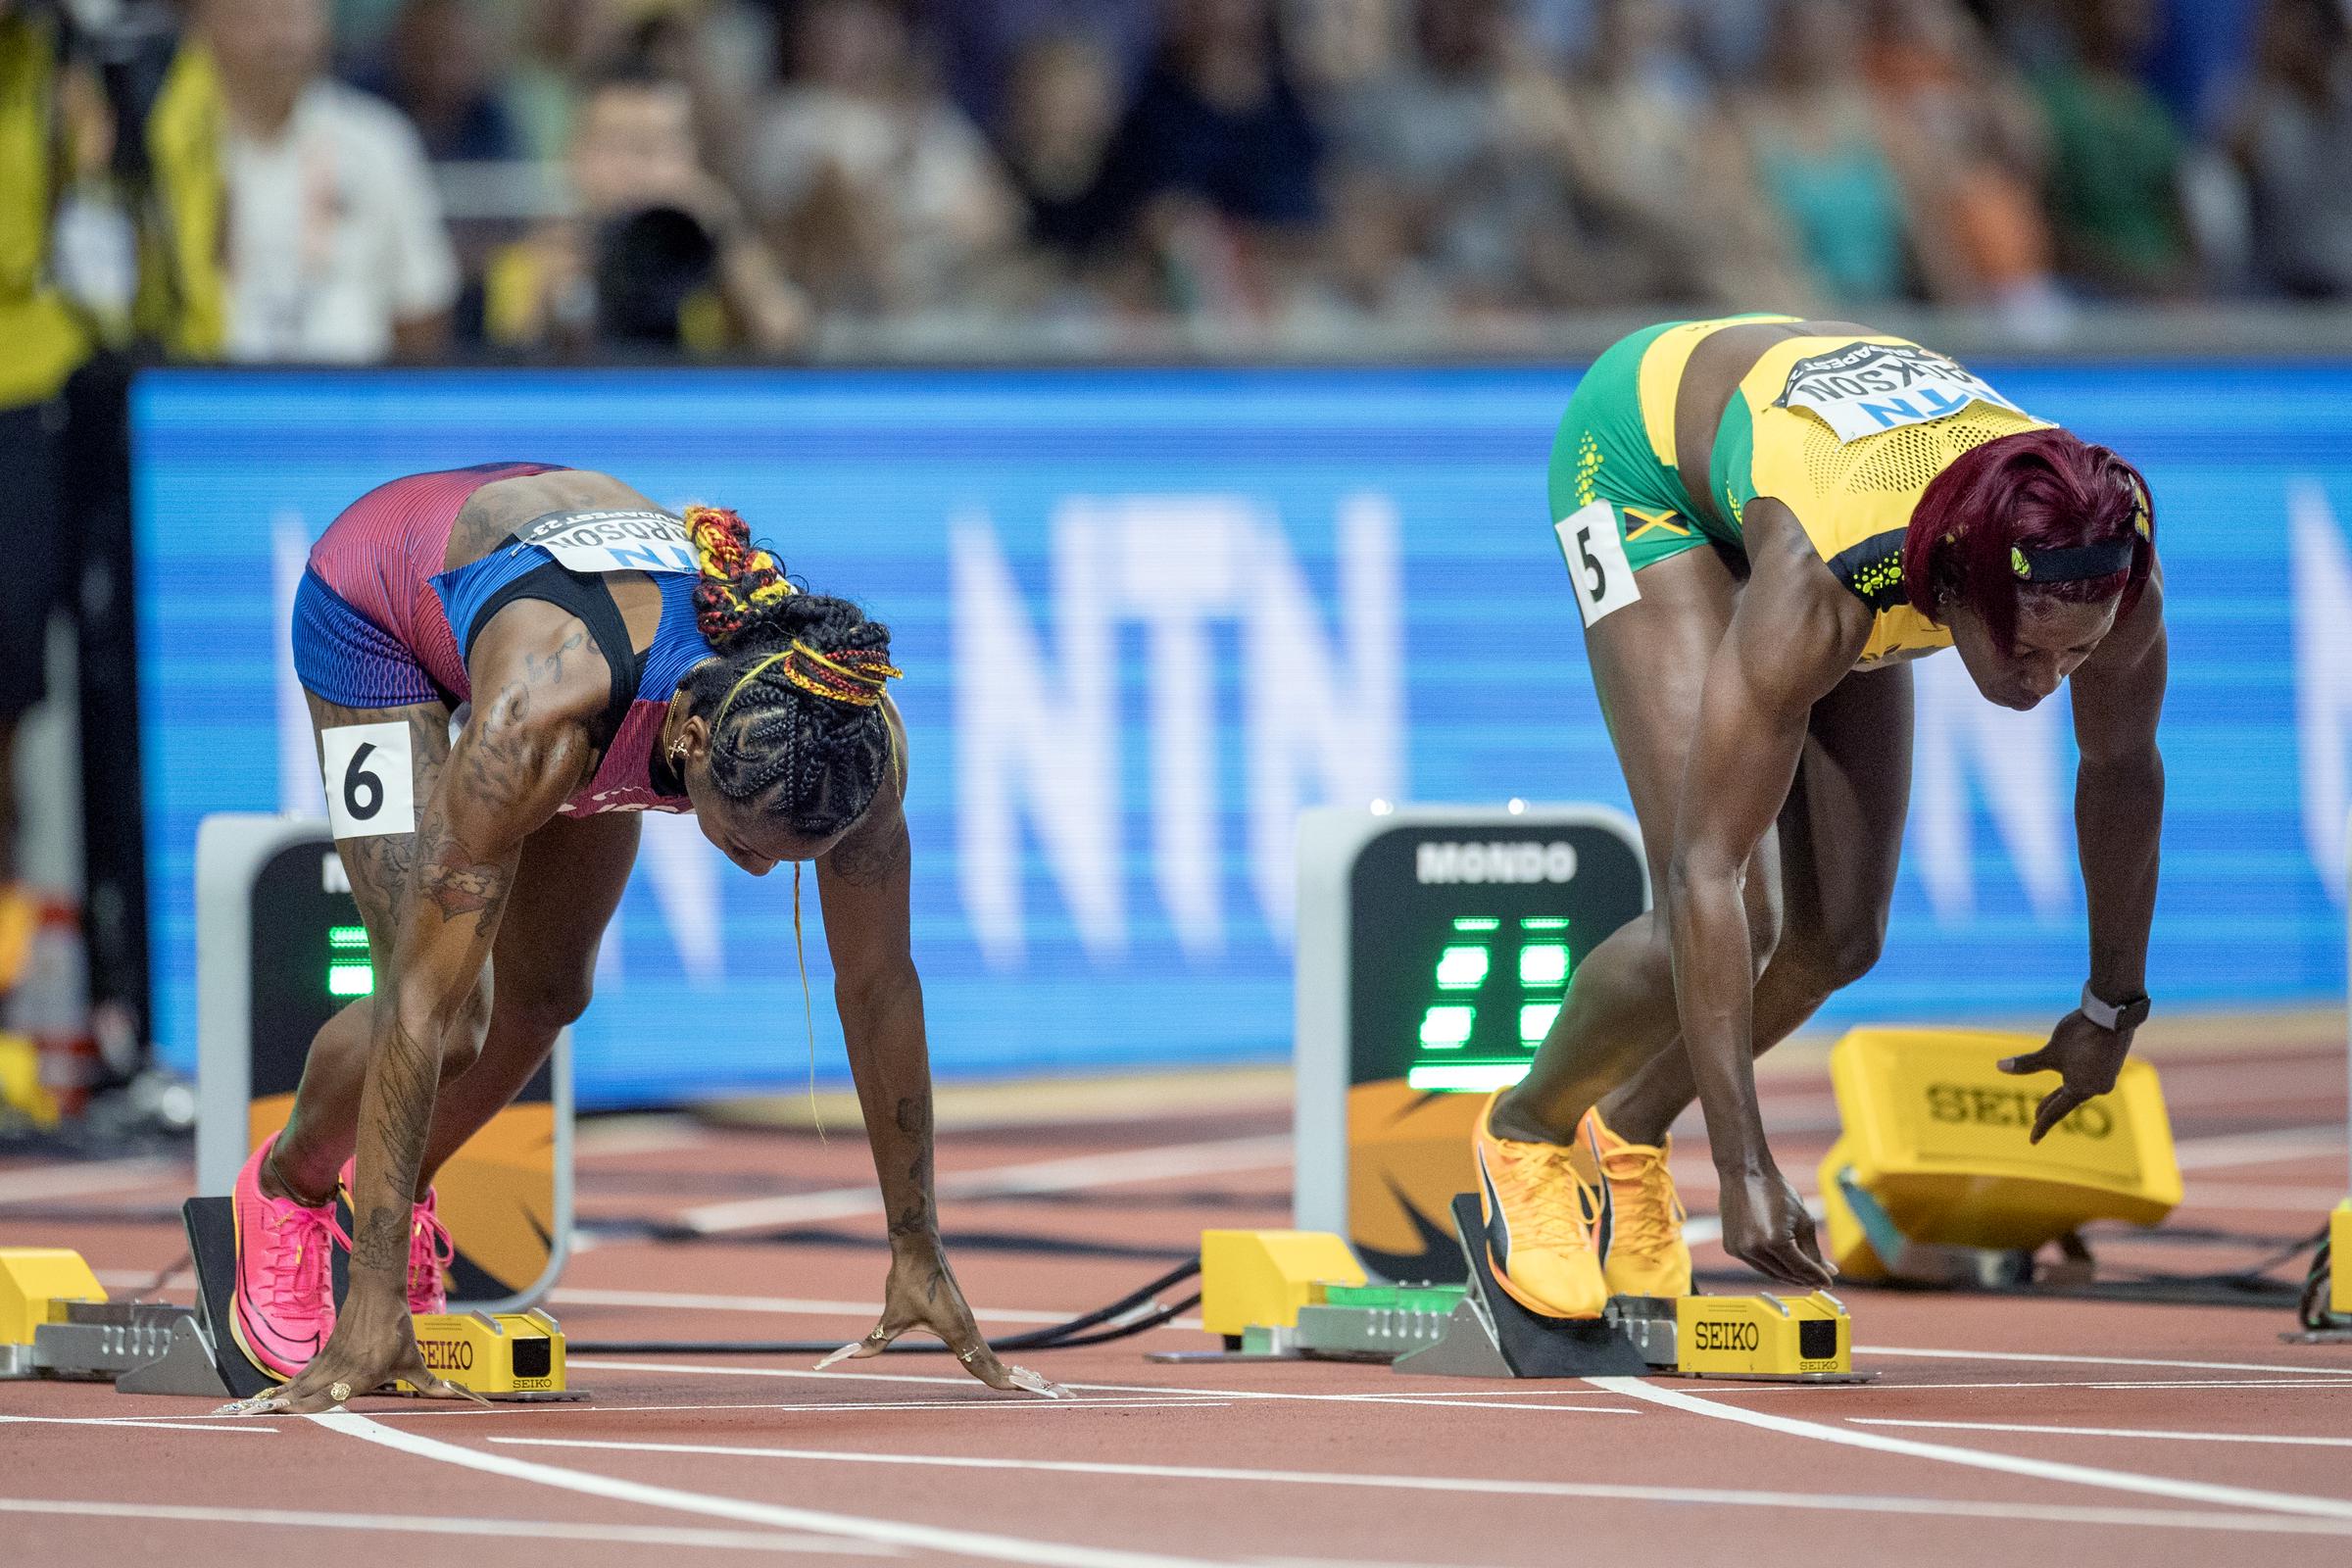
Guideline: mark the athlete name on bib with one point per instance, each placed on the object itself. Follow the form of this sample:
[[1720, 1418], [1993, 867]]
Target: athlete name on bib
[[1867, 389], [595, 542]]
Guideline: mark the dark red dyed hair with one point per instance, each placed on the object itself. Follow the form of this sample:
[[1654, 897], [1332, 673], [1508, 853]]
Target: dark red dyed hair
[[2037, 490]]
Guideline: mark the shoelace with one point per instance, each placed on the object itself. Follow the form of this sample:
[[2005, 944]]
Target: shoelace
[[1648, 1226], [301, 1271], [430, 1251], [1558, 1199]]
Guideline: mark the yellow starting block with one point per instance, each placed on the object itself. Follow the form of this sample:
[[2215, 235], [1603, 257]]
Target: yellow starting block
[[2339, 1251], [56, 1322], [1934, 1178], [38, 1285], [1762, 1336], [1260, 1279], [502, 1355], [1301, 1296]]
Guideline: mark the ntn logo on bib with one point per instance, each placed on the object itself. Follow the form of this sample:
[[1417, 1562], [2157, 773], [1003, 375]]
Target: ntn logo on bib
[[1867, 388], [630, 540]]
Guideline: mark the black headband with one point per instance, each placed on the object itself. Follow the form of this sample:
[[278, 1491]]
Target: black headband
[[2071, 564]]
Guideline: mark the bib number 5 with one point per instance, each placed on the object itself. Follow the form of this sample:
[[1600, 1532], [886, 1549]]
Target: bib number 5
[[1597, 568], [370, 785]]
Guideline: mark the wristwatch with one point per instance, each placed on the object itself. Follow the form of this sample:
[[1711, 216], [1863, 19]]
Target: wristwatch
[[2116, 1016]]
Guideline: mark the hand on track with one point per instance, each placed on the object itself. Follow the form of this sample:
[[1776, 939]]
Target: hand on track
[[923, 1294]]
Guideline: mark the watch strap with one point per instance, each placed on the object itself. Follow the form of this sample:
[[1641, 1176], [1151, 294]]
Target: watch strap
[[2110, 1016]]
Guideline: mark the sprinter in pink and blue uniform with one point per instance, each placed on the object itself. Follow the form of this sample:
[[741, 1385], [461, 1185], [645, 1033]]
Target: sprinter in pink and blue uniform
[[505, 665]]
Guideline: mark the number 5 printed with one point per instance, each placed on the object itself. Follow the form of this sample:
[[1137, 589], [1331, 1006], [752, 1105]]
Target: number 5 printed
[[1598, 569], [371, 788]]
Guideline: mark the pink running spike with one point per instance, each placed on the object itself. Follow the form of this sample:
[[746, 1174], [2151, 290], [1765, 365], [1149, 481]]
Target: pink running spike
[[284, 1306]]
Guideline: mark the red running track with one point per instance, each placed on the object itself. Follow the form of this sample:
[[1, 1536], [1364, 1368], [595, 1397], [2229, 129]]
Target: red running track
[[1998, 1429]]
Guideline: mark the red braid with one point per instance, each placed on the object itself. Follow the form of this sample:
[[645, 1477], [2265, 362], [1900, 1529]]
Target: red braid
[[2035, 490]]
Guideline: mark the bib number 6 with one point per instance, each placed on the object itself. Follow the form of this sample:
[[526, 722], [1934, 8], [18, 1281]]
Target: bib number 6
[[370, 785], [1597, 568]]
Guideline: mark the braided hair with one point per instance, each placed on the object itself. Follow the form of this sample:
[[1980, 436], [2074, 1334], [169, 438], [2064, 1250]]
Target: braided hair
[[794, 699], [1996, 504]]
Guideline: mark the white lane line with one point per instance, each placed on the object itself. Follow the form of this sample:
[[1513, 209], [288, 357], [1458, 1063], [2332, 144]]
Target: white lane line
[[884, 1531], [121, 1421], [441, 1525], [1491, 1486], [1726, 1390], [1985, 1459], [44, 1182], [2259, 1149], [1265, 1152], [796, 1305], [2110, 1432], [2321, 1372]]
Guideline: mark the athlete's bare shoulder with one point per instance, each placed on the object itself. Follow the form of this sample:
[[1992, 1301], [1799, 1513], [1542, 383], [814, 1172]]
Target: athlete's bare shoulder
[[502, 506]]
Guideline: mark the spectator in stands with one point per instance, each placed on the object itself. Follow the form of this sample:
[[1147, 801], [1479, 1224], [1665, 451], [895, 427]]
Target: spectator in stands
[[1820, 158], [2116, 156], [336, 247], [1648, 141], [441, 70], [982, 42], [880, 193], [1477, 133], [1216, 151], [1965, 138], [1060, 106], [657, 254], [561, 44], [2292, 137]]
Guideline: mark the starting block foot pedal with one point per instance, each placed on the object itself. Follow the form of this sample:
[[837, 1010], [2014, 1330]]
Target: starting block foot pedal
[[1492, 1336], [1760, 1338]]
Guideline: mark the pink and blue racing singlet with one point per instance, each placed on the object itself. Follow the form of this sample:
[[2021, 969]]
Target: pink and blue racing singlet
[[378, 623]]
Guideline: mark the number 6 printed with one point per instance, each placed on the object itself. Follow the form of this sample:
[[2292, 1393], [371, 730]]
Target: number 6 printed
[[371, 788]]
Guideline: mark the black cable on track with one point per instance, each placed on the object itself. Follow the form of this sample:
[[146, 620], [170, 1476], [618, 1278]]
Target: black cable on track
[[1056, 1337]]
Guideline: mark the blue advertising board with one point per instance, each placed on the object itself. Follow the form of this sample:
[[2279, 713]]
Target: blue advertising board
[[1147, 615]]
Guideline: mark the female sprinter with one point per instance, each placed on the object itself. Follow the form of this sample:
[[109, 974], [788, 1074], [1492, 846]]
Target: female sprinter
[[616, 659], [1764, 518]]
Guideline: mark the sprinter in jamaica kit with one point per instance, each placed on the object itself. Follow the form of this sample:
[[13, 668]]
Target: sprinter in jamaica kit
[[607, 659], [1764, 518]]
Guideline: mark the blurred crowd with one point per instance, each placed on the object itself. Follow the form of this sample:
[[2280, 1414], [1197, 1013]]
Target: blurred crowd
[[408, 178]]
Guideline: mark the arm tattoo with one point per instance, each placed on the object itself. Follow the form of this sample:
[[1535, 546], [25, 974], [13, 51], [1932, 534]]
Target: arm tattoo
[[457, 887], [869, 860], [549, 669], [913, 1118], [407, 1077], [451, 878]]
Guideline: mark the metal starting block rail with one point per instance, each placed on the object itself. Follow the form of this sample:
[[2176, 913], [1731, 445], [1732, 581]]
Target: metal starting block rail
[[57, 1323]]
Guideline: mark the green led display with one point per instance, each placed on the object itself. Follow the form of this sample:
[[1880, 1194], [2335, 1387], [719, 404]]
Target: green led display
[[1461, 969], [1543, 964], [347, 938], [350, 979], [1464, 974], [1447, 1027]]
